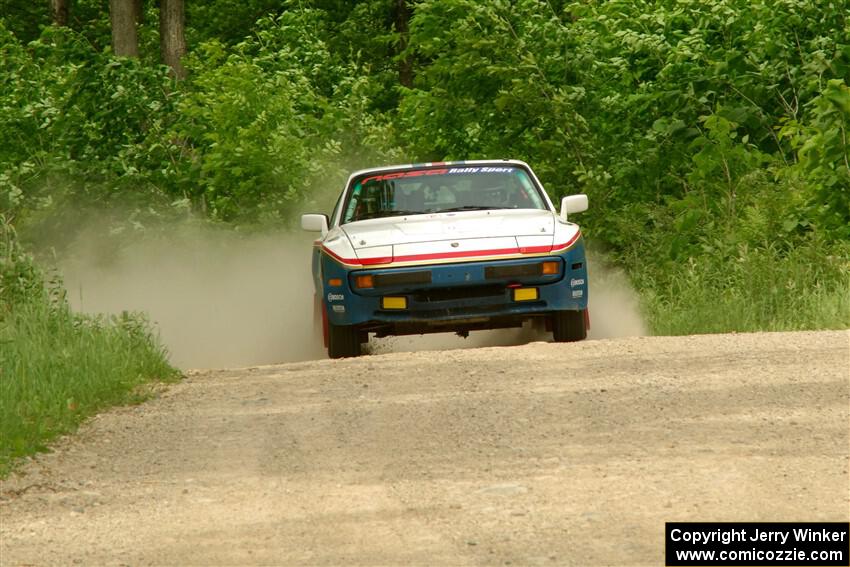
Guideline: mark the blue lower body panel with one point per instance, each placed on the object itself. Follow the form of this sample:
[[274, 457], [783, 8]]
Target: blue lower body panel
[[454, 296]]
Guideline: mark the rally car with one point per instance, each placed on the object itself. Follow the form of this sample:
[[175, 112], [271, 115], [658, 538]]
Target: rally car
[[454, 246]]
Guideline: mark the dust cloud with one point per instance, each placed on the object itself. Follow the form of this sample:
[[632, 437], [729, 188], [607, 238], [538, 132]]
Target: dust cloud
[[219, 298], [613, 303]]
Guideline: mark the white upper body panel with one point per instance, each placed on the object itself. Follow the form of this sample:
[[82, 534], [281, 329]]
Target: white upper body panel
[[451, 226], [447, 234]]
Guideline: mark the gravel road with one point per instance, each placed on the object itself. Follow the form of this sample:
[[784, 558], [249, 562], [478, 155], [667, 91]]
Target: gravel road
[[543, 454]]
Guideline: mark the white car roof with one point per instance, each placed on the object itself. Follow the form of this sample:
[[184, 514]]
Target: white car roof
[[436, 164]]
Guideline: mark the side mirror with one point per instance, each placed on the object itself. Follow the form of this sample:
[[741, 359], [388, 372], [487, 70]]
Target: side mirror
[[315, 223], [573, 204]]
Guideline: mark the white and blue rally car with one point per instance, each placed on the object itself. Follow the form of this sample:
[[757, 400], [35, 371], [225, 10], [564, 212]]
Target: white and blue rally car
[[454, 246]]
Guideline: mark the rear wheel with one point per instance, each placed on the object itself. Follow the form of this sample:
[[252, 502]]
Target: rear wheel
[[569, 326], [343, 341]]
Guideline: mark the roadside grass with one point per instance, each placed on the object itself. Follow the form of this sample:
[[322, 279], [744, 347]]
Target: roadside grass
[[58, 367], [766, 289]]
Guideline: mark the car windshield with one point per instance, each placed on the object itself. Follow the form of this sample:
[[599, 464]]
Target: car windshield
[[440, 190]]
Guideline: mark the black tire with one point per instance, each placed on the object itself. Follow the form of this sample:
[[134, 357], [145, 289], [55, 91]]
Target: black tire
[[568, 326], [343, 341]]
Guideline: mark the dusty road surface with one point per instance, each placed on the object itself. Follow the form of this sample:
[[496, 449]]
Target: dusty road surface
[[536, 455]]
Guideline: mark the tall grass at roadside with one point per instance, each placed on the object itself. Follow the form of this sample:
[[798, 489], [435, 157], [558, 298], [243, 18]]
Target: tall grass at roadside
[[761, 289], [58, 367]]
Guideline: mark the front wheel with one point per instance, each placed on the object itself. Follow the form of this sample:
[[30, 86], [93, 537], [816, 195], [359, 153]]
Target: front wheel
[[569, 326], [343, 341]]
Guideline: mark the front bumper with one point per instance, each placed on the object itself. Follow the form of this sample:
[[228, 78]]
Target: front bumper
[[470, 294]]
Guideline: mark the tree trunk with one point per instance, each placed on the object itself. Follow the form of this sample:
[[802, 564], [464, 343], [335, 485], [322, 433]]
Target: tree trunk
[[59, 12], [139, 11], [172, 41], [405, 65], [125, 38]]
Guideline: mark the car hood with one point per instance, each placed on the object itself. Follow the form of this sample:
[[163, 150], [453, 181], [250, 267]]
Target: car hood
[[456, 233]]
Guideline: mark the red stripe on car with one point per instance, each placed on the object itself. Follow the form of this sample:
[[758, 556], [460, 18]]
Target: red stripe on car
[[450, 255]]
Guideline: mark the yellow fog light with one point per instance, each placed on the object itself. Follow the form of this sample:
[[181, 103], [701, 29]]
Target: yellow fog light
[[394, 302], [525, 294], [551, 268]]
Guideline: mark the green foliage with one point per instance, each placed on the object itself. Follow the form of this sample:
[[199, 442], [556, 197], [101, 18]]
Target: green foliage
[[225, 20], [497, 80], [660, 69], [20, 280], [269, 121], [78, 125], [258, 128], [825, 157], [57, 367], [254, 120], [750, 289], [25, 19]]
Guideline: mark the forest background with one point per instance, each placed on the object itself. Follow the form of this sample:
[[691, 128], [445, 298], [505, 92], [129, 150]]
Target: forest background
[[710, 137]]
